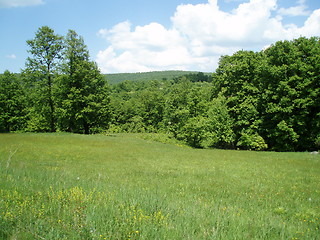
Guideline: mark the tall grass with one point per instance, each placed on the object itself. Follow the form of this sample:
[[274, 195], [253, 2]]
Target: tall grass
[[65, 186]]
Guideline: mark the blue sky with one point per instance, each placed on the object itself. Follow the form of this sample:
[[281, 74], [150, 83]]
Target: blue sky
[[141, 35]]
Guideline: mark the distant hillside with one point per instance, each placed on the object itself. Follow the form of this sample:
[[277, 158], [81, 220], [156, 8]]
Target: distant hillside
[[145, 76]]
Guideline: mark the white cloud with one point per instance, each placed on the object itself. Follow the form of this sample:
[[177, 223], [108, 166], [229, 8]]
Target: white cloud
[[19, 3], [299, 10], [294, 11], [228, 1], [199, 35], [146, 48], [312, 25], [11, 56], [209, 25]]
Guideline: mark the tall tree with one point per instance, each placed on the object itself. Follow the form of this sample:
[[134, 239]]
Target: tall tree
[[83, 93], [12, 103], [237, 79], [41, 69], [292, 97]]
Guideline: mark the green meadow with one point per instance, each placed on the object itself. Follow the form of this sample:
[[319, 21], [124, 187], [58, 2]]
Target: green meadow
[[139, 186]]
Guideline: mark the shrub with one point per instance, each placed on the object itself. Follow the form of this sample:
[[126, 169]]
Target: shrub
[[251, 140]]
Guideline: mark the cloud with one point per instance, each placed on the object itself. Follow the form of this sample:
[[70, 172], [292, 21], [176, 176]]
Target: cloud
[[299, 10], [207, 24], [228, 1], [11, 56], [199, 35], [146, 48], [312, 25], [19, 3]]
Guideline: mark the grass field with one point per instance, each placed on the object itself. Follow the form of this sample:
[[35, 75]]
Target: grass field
[[65, 186]]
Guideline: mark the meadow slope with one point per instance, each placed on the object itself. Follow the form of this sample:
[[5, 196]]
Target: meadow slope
[[67, 186]]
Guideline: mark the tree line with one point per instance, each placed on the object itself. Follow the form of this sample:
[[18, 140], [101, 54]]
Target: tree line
[[115, 78], [267, 100]]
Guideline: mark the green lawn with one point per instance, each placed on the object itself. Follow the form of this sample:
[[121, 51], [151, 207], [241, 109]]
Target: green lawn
[[66, 186]]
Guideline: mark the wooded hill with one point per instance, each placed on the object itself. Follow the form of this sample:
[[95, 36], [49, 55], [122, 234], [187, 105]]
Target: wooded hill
[[268, 100], [147, 76]]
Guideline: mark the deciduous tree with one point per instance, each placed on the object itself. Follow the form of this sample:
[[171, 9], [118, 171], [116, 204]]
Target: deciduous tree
[[40, 73], [83, 93], [12, 103]]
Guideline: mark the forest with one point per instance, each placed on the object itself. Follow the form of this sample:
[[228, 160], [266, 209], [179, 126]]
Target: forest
[[267, 100], [115, 78]]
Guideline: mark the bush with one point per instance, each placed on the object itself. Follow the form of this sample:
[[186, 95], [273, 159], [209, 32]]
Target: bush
[[197, 133], [250, 140]]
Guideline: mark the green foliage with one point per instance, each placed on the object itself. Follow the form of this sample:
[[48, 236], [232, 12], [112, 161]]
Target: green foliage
[[12, 103], [196, 132], [266, 100], [292, 79], [66, 91], [273, 95], [199, 77], [137, 106], [221, 123], [256, 101], [211, 129], [176, 112], [41, 69], [162, 138], [82, 92], [116, 78], [317, 142], [251, 140], [237, 80]]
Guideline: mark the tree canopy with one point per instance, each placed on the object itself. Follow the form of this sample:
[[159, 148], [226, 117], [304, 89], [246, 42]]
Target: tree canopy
[[65, 90], [267, 100]]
